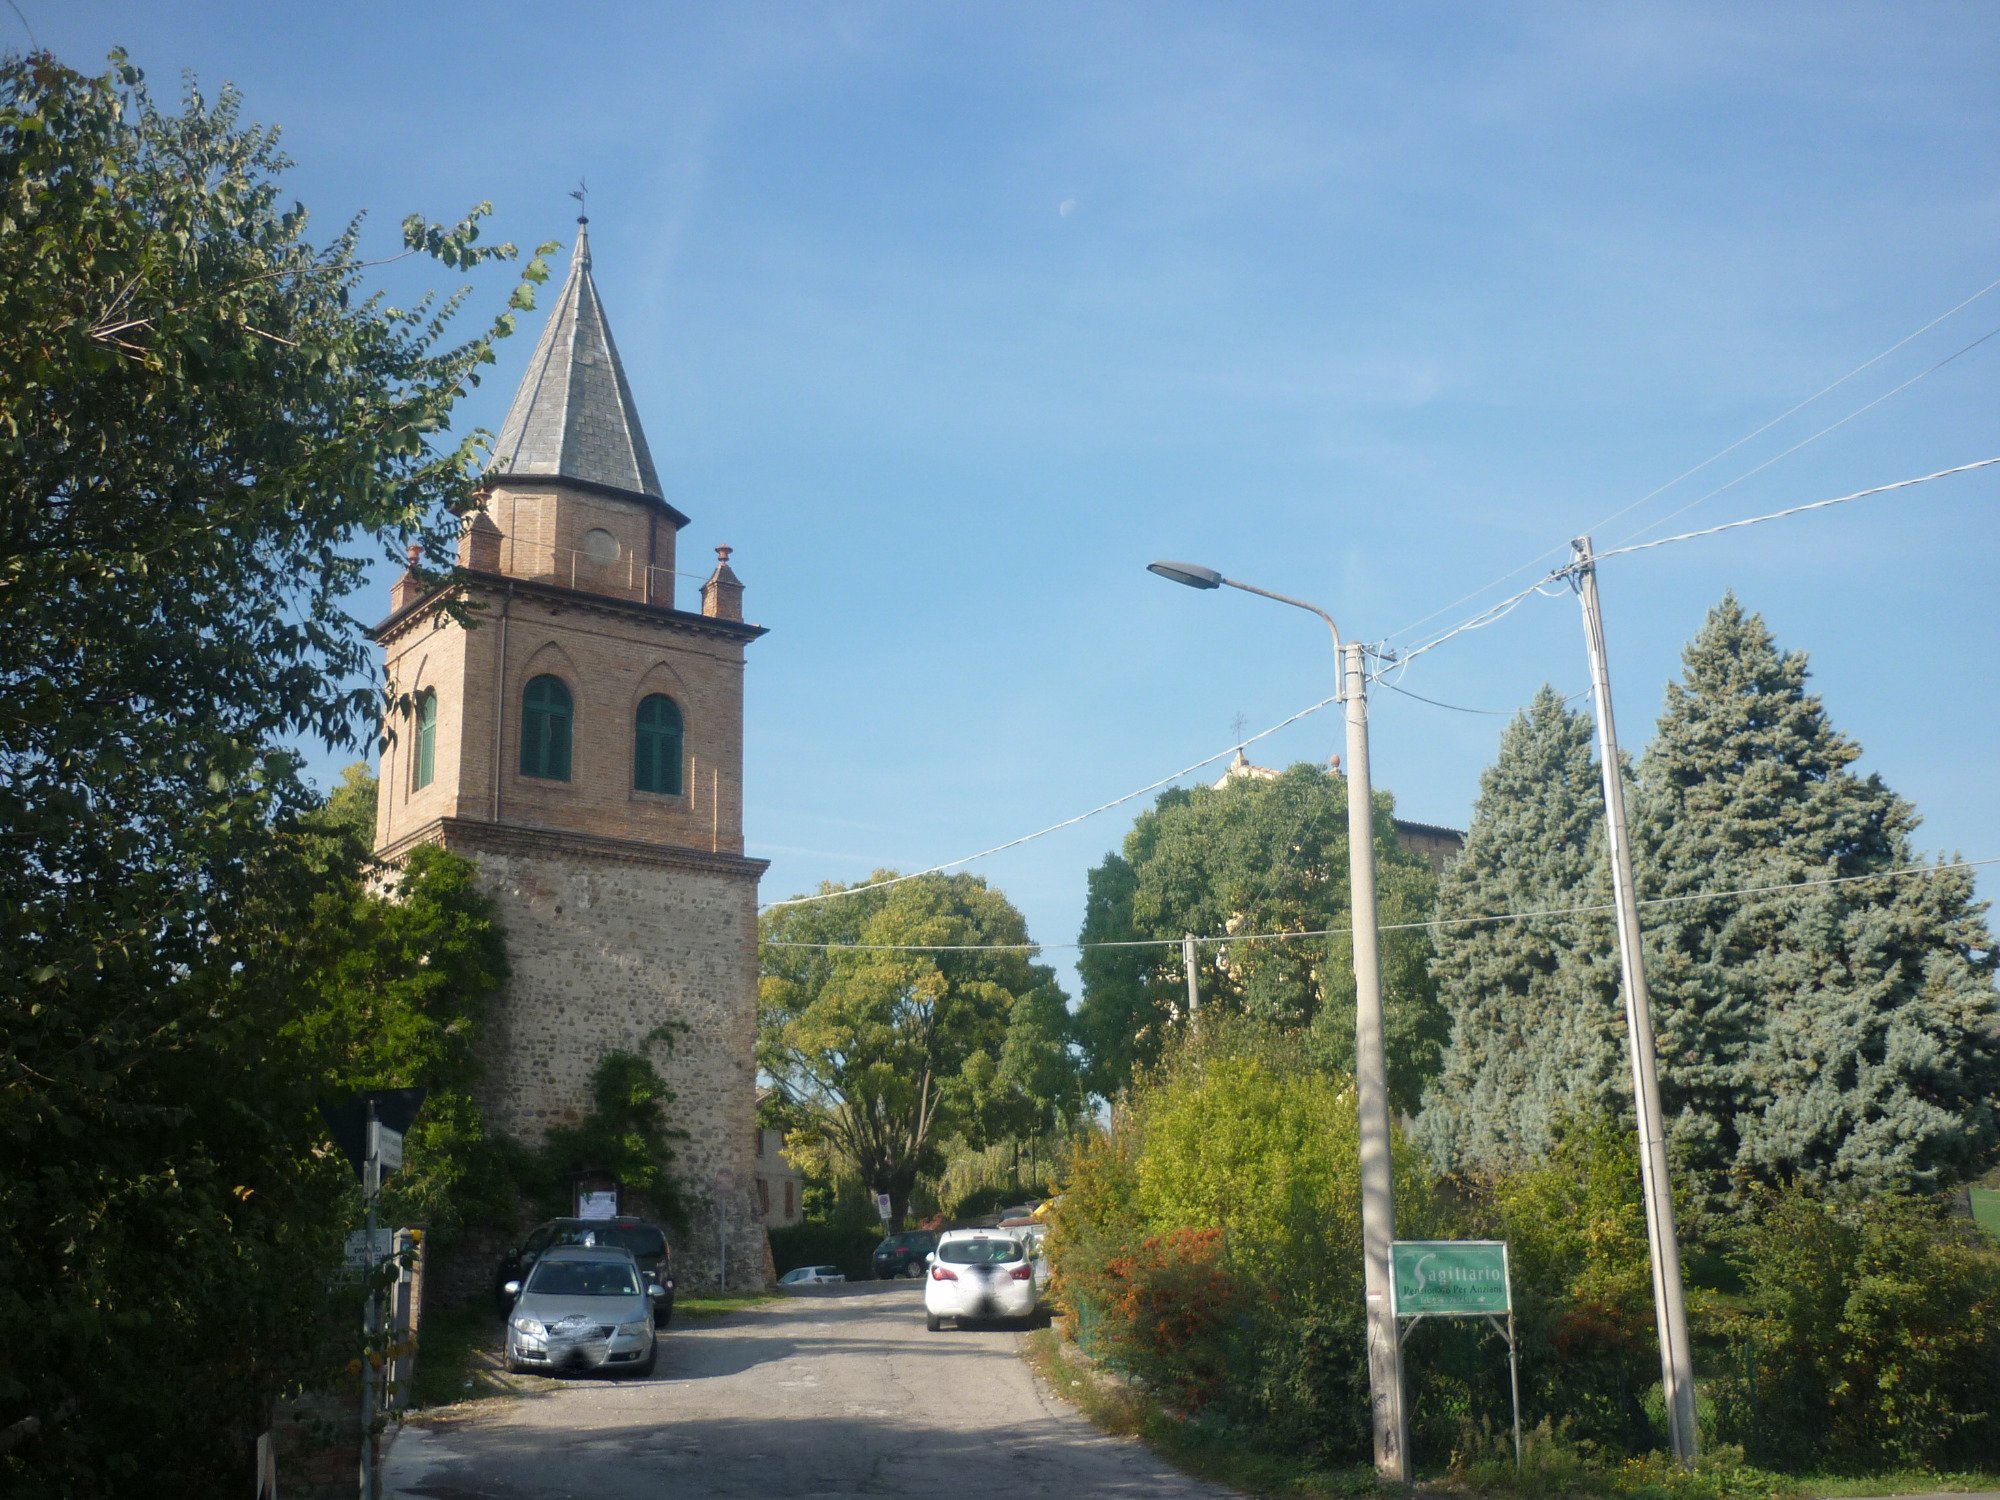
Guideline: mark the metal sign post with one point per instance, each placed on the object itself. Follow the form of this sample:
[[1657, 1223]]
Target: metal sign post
[[725, 1185], [1458, 1279]]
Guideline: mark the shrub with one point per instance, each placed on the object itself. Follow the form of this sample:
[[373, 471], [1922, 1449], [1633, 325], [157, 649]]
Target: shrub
[[1170, 1313], [1871, 1327]]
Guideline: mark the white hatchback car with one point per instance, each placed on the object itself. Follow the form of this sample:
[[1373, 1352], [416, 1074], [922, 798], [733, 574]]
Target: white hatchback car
[[979, 1273]]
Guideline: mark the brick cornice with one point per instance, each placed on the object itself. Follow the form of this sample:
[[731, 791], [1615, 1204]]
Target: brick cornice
[[471, 834], [466, 581]]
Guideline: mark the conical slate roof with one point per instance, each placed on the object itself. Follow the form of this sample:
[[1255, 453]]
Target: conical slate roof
[[573, 416]]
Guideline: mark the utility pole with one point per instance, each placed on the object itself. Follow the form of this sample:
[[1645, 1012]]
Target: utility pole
[[1371, 1091], [1669, 1305], [371, 1188], [1371, 1078], [1187, 962]]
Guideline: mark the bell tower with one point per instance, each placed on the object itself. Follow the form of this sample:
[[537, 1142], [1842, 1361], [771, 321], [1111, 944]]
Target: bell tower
[[582, 742]]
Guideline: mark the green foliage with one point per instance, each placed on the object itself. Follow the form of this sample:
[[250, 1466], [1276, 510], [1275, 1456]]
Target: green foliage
[[1537, 1029], [1869, 1335], [1253, 856], [397, 986], [876, 1056], [1848, 1033], [1237, 1131], [626, 1134], [1576, 1234], [204, 419]]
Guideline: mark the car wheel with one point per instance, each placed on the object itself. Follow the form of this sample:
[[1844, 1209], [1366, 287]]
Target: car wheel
[[933, 1322], [914, 1271]]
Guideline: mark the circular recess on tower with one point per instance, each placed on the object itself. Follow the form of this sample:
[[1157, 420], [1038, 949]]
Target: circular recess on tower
[[600, 546]]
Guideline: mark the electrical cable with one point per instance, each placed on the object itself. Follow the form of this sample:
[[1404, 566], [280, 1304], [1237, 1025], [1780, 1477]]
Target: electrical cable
[[1794, 510], [1026, 838], [1227, 939], [1787, 453], [1724, 452]]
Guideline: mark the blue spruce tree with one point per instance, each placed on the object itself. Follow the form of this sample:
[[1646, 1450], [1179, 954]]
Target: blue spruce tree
[[1537, 1033], [1836, 1033]]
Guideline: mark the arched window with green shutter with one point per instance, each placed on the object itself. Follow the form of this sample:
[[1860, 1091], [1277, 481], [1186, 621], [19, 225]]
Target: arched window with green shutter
[[424, 767], [656, 745], [545, 726]]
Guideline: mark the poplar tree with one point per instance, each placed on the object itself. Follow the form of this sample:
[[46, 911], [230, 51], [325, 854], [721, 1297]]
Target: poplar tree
[[1537, 1033], [1836, 1033]]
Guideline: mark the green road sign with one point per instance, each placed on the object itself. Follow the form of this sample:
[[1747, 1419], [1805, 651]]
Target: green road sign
[[1450, 1278]]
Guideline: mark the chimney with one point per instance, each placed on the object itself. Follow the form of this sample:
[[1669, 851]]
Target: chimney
[[722, 595], [409, 588]]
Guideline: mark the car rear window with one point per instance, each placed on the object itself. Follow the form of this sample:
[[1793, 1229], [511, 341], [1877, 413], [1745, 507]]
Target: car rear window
[[644, 1241], [980, 1252], [575, 1278]]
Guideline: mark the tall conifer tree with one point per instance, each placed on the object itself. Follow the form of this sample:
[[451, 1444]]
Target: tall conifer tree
[[1536, 1030], [1841, 1033]]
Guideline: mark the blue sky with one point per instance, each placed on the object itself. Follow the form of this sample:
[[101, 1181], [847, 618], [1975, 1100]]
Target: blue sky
[[949, 318]]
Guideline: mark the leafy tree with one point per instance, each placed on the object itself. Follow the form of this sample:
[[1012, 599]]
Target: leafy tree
[[395, 970], [878, 1054], [1257, 857], [1537, 1029], [205, 420], [1841, 1033]]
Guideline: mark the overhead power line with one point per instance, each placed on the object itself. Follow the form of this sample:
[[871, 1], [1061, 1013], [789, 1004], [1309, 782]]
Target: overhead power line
[[1724, 452], [1028, 838], [1229, 939], [1796, 510]]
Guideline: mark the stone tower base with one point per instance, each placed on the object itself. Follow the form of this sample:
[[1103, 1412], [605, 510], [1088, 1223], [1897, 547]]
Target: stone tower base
[[609, 940]]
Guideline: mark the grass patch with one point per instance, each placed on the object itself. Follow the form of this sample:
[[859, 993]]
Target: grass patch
[[1224, 1458], [1907, 1482], [1551, 1468], [697, 1308], [458, 1357]]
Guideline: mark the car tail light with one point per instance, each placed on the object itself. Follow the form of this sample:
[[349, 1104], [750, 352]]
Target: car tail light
[[1020, 1273], [939, 1273]]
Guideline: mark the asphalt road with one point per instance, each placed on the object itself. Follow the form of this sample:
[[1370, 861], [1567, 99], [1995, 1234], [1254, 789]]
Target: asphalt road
[[836, 1391]]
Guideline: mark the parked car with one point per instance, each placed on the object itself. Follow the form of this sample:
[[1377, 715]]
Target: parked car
[[903, 1254], [582, 1308], [979, 1273], [812, 1276], [645, 1239]]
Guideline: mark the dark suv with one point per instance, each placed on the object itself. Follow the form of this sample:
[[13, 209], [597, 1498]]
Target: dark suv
[[903, 1254], [645, 1239]]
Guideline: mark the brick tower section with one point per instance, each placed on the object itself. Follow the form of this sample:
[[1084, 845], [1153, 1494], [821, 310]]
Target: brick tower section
[[620, 879]]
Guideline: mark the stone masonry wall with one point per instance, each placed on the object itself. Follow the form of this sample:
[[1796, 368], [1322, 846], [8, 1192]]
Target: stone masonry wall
[[607, 945]]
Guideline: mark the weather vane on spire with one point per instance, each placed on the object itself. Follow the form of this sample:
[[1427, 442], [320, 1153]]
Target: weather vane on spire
[[581, 192]]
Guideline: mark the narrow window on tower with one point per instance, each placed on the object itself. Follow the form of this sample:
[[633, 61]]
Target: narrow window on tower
[[656, 746], [545, 725], [424, 763]]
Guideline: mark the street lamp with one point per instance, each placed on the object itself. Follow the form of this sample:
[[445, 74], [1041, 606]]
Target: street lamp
[[1371, 1078]]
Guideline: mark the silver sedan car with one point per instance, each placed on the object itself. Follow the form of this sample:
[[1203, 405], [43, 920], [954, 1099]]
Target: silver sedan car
[[583, 1308]]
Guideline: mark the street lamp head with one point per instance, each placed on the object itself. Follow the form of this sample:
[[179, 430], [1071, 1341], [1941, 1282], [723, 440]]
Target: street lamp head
[[1194, 575]]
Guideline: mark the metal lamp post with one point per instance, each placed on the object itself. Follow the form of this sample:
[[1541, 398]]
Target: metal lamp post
[[1371, 1077]]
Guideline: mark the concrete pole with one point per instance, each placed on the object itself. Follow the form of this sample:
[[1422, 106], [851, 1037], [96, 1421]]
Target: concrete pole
[[371, 1187], [1371, 1088], [1371, 1075], [1187, 962], [1669, 1306]]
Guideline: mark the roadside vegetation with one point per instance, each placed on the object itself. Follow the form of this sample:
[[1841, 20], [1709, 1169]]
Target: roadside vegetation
[[1830, 1058]]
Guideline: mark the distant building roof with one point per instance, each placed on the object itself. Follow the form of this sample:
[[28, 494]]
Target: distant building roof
[[1432, 840]]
